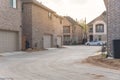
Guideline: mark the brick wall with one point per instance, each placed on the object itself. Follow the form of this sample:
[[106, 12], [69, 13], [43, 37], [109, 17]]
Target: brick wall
[[10, 18], [37, 23], [113, 22]]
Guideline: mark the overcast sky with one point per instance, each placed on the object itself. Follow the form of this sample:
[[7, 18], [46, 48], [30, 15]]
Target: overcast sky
[[77, 9]]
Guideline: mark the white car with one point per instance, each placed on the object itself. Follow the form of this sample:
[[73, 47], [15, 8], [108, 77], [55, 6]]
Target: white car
[[95, 43]]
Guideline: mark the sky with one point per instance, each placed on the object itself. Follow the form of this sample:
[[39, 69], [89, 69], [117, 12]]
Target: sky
[[77, 9]]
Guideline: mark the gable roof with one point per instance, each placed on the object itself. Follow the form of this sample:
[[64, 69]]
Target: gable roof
[[72, 21], [101, 17], [38, 4]]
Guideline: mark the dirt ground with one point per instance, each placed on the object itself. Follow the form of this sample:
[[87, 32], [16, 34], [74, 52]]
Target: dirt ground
[[103, 62]]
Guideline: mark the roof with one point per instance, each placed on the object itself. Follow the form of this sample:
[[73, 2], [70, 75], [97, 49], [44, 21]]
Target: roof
[[101, 17], [38, 4], [72, 21], [58, 16]]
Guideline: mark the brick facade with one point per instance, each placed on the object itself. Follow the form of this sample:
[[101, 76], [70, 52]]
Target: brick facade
[[75, 34], [10, 18], [113, 15], [39, 20]]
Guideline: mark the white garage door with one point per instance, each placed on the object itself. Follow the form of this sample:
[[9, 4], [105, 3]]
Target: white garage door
[[8, 41], [59, 41], [47, 41]]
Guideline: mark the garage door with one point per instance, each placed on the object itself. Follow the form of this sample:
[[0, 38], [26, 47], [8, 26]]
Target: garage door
[[8, 41], [47, 41], [59, 41]]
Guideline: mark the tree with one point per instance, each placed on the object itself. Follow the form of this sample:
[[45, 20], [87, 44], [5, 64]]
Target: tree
[[84, 27]]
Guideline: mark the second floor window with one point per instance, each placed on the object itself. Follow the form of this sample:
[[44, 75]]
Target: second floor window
[[99, 28], [49, 15], [13, 3], [90, 29], [66, 29]]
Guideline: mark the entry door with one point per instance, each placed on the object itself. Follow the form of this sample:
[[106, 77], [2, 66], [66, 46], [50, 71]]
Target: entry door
[[91, 37]]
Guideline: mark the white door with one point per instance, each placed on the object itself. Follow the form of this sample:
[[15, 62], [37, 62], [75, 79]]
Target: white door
[[59, 41], [47, 41], [8, 41]]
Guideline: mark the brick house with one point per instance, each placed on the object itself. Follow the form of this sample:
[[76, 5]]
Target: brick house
[[97, 28], [72, 32], [113, 22], [42, 27], [10, 25]]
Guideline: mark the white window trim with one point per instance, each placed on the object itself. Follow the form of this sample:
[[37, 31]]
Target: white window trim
[[101, 33], [13, 3]]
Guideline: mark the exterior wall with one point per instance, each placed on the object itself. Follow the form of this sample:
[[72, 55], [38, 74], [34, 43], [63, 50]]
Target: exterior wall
[[102, 19], [103, 37], [75, 32], [41, 24], [67, 23], [77, 35], [113, 22], [58, 28], [27, 23], [37, 23], [10, 18]]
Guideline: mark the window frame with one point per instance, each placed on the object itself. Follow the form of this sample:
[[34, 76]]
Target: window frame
[[13, 4], [50, 15], [99, 28]]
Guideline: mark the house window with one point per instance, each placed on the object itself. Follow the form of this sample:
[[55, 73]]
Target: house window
[[90, 29], [99, 37], [49, 15], [66, 39], [66, 29], [99, 28], [13, 3]]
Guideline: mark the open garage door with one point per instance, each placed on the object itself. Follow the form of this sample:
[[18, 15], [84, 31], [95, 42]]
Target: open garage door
[[8, 41], [47, 41]]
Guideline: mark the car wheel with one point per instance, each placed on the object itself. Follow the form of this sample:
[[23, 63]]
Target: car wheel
[[88, 44], [98, 44]]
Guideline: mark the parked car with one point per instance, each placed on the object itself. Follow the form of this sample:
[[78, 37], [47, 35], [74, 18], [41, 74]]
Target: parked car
[[95, 43]]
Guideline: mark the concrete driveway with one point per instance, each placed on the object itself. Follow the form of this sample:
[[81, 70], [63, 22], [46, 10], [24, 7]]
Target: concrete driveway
[[54, 64]]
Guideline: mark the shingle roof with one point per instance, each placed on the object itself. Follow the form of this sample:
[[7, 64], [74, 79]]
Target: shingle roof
[[71, 20], [102, 16]]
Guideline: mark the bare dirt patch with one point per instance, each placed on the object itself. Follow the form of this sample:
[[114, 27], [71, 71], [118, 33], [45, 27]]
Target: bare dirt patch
[[96, 76], [99, 60]]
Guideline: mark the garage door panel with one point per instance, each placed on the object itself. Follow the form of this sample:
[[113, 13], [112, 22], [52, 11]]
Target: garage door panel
[[59, 41], [47, 39], [8, 41]]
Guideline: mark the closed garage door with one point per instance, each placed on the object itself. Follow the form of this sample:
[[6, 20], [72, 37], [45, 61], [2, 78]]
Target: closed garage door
[[8, 41], [47, 39], [59, 41]]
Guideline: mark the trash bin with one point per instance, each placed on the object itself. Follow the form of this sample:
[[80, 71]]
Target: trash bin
[[116, 49]]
